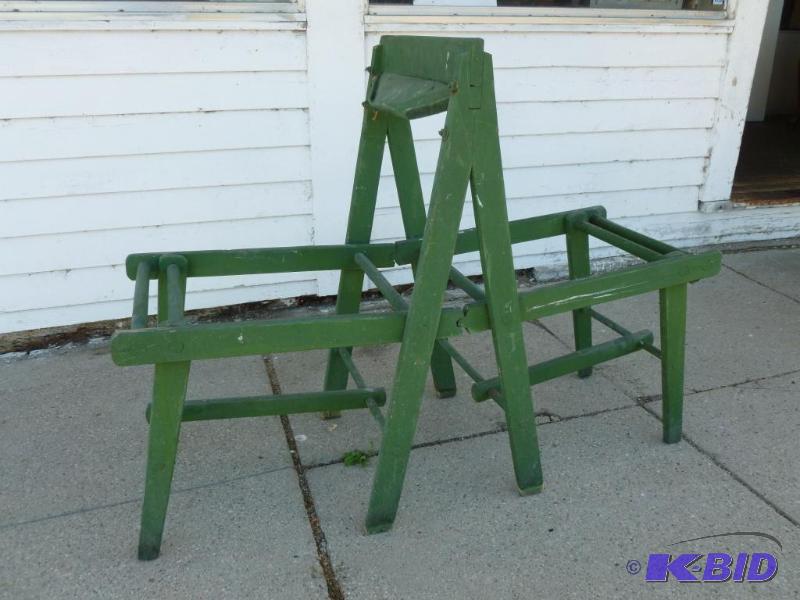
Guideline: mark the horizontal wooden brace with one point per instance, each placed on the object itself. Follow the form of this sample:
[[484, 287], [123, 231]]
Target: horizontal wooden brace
[[522, 230], [634, 236], [597, 289], [214, 263], [570, 363], [618, 241], [283, 404], [614, 326], [246, 338]]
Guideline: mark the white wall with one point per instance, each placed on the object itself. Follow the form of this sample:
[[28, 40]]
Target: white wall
[[239, 134], [114, 142]]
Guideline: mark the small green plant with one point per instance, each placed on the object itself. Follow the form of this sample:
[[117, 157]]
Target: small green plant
[[355, 457]]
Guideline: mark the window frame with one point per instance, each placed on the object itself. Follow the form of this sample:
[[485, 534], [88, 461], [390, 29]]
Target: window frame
[[519, 14], [151, 14]]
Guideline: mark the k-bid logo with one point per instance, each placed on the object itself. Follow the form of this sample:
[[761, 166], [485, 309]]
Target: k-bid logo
[[714, 567]]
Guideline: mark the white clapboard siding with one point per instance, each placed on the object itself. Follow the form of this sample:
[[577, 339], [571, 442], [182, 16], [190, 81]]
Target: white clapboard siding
[[36, 179], [573, 83], [69, 314], [106, 247], [123, 210], [113, 142], [536, 118], [120, 52], [67, 96], [79, 137], [388, 223], [533, 182], [595, 49], [580, 148], [109, 283]]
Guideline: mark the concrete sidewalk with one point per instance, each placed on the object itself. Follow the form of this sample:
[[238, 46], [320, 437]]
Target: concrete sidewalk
[[245, 522]]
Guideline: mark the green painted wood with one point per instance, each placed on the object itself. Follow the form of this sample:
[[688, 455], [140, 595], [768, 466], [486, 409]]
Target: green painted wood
[[284, 404], [169, 392], [359, 230], [214, 263], [391, 295], [597, 289], [614, 326], [619, 241], [419, 336], [141, 296], [348, 361], [570, 363], [579, 266], [634, 236], [172, 270], [257, 337], [672, 302], [505, 316], [522, 230], [461, 281], [409, 97], [412, 211], [409, 77]]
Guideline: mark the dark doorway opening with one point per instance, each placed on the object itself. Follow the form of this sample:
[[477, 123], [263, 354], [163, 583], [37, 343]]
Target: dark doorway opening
[[768, 171]]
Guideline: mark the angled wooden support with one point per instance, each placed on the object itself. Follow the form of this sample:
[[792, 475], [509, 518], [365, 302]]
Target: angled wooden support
[[409, 78]]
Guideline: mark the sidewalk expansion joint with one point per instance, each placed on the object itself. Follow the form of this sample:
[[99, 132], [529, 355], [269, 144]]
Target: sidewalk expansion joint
[[334, 587], [718, 463]]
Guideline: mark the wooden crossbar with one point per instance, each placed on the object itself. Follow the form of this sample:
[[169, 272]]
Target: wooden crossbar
[[214, 263], [521, 230], [570, 363], [597, 289], [614, 326], [283, 404]]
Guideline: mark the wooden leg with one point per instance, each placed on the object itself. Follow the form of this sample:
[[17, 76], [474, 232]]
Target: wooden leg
[[359, 230], [578, 257], [419, 336], [412, 210], [169, 393], [673, 343], [491, 219]]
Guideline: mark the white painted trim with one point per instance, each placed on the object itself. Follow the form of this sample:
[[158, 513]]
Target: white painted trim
[[178, 22], [512, 14], [735, 87], [374, 24], [77, 15], [150, 7], [336, 63]]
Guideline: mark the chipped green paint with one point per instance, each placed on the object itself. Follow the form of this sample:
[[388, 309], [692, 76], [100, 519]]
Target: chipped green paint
[[410, 77]]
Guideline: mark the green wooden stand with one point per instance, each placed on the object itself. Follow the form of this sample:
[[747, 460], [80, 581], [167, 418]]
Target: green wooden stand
[[410, 77]]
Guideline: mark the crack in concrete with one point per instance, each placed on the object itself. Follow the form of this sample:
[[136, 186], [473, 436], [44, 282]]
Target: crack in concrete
[[323, 555], [501, 428], [744, 382], [735, 476], [764, 285], [88, 509]]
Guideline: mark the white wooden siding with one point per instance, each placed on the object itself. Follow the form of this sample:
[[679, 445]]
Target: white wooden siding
[[114, 142], [119, 138]]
